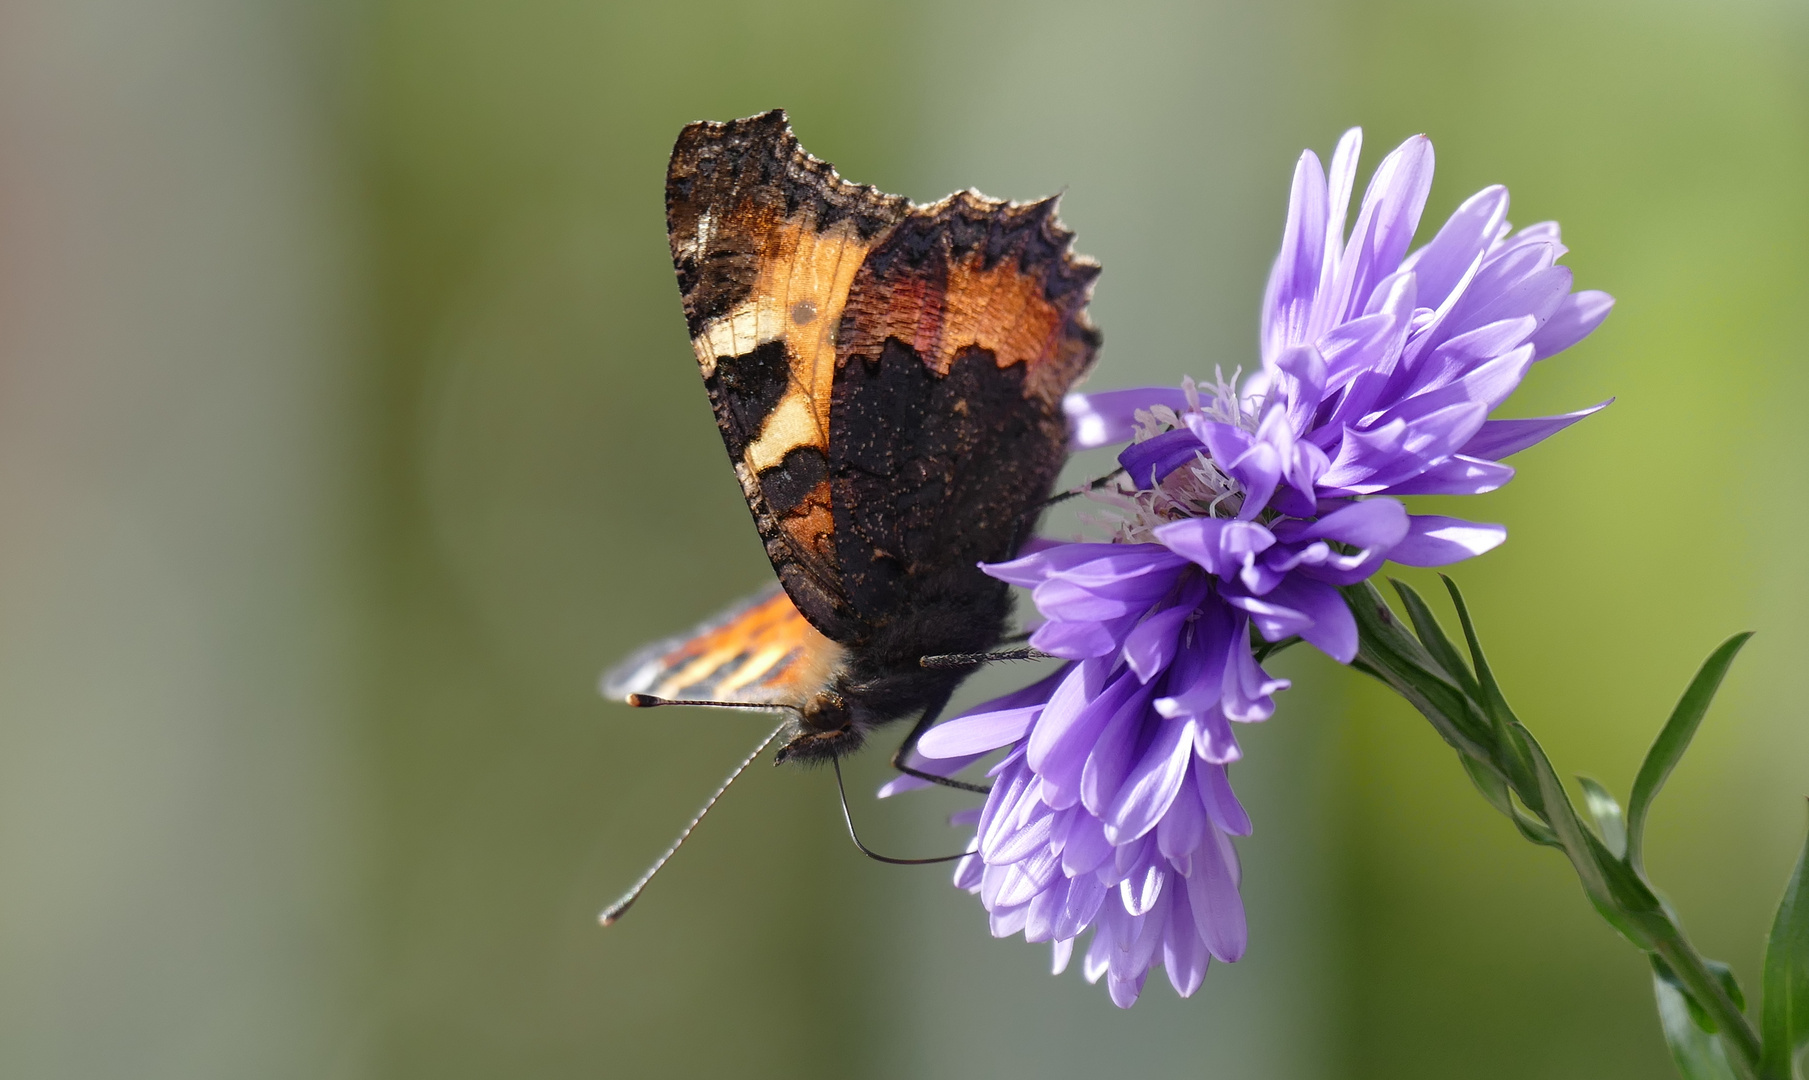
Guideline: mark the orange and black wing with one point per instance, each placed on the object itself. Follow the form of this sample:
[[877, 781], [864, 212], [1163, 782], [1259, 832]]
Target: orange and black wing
[[766, 241], [759, 651], [887, 377]]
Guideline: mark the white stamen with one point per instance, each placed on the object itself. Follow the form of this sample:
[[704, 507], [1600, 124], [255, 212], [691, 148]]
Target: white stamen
[[1198, 489]]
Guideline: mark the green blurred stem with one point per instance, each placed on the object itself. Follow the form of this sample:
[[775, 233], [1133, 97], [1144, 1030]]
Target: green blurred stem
[[1510, 769], [1736, 1031]]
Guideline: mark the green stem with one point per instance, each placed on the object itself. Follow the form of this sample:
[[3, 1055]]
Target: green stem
[[1466, 709], [1736, 1032]]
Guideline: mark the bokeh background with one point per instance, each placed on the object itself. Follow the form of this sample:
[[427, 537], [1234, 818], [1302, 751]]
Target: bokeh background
[[348, 429]]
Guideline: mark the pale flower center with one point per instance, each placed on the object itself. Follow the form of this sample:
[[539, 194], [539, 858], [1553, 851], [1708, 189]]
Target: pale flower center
[[1196, 489]]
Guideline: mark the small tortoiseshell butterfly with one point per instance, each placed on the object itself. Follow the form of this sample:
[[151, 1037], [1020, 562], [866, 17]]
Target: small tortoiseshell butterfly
[[888, 380]]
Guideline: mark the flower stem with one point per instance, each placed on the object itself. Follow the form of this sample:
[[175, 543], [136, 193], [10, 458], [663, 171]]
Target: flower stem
[[1465, 706], [1736, 1031]]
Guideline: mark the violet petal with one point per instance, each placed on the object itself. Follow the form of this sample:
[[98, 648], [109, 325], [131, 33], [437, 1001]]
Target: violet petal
[[1218, 910], [1435, 540], [1221, 803], [977, 733], [1150, 787], [1184, 955], [1497, 439], [1106, 417], [1294, 280], [1575, 319], [1149, 461]]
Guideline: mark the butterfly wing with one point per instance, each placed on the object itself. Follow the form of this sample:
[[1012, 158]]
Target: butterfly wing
[[963, 330], [887, 377], [766, 241], [757, 651]]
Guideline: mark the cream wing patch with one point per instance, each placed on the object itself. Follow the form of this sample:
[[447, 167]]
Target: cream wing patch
[[804, 280], [734, 333]]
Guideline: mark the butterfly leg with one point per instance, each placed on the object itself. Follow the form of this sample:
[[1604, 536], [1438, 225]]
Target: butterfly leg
[[842, 792], [975, 659], [930, 715], [1093, 485]]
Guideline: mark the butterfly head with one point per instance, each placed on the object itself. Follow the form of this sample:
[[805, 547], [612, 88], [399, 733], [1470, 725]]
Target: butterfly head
[[828, 726]]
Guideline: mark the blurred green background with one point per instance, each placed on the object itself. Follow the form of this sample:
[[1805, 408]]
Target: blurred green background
[[348, 429]]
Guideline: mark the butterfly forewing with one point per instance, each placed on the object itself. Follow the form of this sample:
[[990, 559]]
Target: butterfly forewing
[[766, 241]]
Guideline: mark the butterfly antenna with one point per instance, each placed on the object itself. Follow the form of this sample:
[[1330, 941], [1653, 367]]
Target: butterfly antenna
[[616, 910], [867, 851], [648, 701]]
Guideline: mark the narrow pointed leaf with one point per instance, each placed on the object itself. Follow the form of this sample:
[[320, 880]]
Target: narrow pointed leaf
[[1387, 651], [1495, 790], [1674, 739], [1492, 697], [1619, 894], [1535, 830], [1607, 814], [1395, 657], [1785, 1019], [1553, 804], [1699, 1055], [1512, 756], [1432, 636], [1489, 782]]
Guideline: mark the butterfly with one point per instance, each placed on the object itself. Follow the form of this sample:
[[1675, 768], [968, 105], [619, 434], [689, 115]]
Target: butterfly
[[888, 380]]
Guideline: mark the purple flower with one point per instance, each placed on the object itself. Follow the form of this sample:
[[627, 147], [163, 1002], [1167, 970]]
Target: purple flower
[[1242, 510]]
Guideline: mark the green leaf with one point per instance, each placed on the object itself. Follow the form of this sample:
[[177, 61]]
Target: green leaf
[[1785, 1019], [1489, 782], [1674, 739], [1512, 757], [1617, 896], [1387, 651], [1440, 657], [1495, 790], [1725, 976], [1698, 1054], [1432, 635], [1607, 815], [1492, 698], [1697, 1013]]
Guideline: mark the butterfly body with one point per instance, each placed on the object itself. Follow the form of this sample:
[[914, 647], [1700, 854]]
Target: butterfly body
[[887, 379]]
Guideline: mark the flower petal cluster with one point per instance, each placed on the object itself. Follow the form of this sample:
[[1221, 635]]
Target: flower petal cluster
[[1242, 510]]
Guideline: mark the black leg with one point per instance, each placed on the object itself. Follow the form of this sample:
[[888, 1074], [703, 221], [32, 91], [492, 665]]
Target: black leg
[[975, 659], [910, 743], [1094, 485], [842, 792]]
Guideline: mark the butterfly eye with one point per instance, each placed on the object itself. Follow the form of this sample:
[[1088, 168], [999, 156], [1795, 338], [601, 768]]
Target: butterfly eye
[[827, 711]]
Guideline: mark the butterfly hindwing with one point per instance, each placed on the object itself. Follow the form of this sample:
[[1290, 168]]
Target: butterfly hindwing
[[757, 651], [963, 329]]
